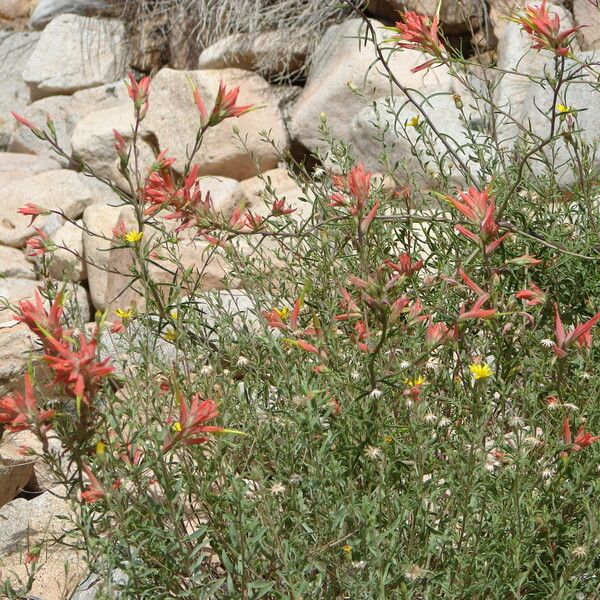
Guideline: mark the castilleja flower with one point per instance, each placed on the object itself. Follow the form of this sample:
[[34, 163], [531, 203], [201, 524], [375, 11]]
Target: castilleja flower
[[531, 296], [418, 32], [404, 265], [279, 208], [44, 323], [138, 92], [563, 340], [191, 428], [478, 207], [33, 128], [39, 244], [21, 412], [33, 211], [583, 439], [95, 491], [544, 29], [225, 105]]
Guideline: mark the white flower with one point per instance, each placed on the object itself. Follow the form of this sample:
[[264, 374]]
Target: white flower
[[242, 361], [355, 375], [373, 452], [404, 364], [444, 422], [206, 370], [547, 343], [277, 489], [430, 418], [295, 479], [579, 551], [547, 473], [515, 421], [376, 393], [359, 565], [414, 573], [571, 407]]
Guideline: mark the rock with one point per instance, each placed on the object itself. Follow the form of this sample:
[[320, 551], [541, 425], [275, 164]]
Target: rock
[[338, 63], [59, 190], [15, 50], [14, 264], [514, 53], [46, 10], [98, 221], [587, 14], [262, 53], [68, 265], [173, 120], [16, 344], [455, 16], [66, 112], [92, 52], [581, 96], [93, 140], [31, 523], [15, 469], [16, 9], [25, 164], [76, 306], [393, 118], [92, 586]]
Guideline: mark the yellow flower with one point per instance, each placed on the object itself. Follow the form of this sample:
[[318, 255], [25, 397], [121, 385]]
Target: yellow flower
[[100, 448], [387, 439], [283, 313], [169, 334], [480, 370], [347, 549], [124, 314], [176, 426], [174, 314], [562, 109], [133, 236], [414, 122], [417, 381]]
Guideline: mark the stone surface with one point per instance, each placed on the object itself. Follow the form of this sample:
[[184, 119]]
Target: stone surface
[[61, 190], [15, 469], [262, 53], [15, 50], [16, 9], [455, 16], [68, 264], [13, 263], [16, 344], [91, 52], [98, 221], [27, 523], [46, 10], [587, 13], [25, 164], [514, 53], [338, 62], [400, 137], [66, 112], [173, 119]]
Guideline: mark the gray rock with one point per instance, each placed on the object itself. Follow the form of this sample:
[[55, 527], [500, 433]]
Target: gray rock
[[14, 264], [75, 53], [90, 588], [46, 10]]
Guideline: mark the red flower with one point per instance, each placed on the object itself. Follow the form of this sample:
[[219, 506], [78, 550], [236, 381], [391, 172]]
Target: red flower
[[583, 439], [20, 413], [278, 209], [404, 266], [23, 121], [199, 104], [39, 244], [564, 341], [476, 311], [191, 428], [225, 105], [418, 32], [138, 92], [438, 333], [94, 491], [531, 296], [43, 323], [545, 29], [32, 210]]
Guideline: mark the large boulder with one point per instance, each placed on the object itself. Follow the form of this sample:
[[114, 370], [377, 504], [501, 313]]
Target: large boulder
[[14, 264], [24, 165], [15, 50], [65, 112], [342, 62], [16, 345], [62, 190], [75, 53], [66, 263], [455, 16], [46, 10], [16, 9], [587, 14], [173, 120], [15, 469], [264, 53]]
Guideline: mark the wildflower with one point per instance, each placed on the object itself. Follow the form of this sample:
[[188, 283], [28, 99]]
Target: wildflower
[[347, 549], [118, 231], [279, 209], [404, 265], [476, 311], [562, 109], [418, 32], [376, 393], [206, 370], [414, 122], [545, 29], [359, 184], [430, 418], [283, 313], [21, 412], [583, 439], [94, 490], [414, 573], [444, 422], [40, 244], [480, 370], [579, 551], [33, 211], [100, 448], [277, 489], [532, 296], [552, 402], [526, 260], [199, 104], [570, 406], [359, 565], [416, 381], [388, 439], [242, 361], [373, 452], [225, 105], [547, 473], [138, 92], [33, 128], [192, 421], [121, 149], [563, 340], [547, 343], [438, 333], [43, 323], [125, 314], [133, 236]]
